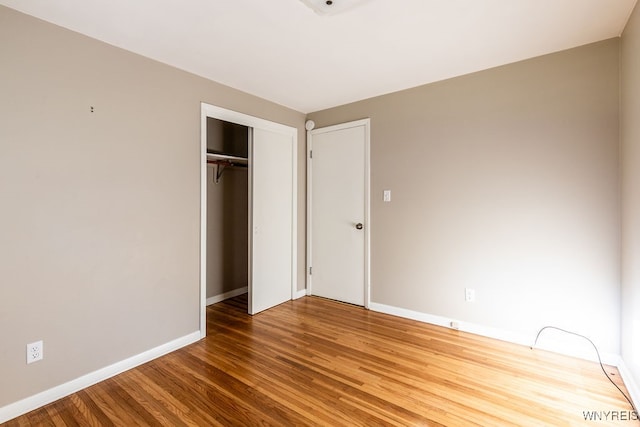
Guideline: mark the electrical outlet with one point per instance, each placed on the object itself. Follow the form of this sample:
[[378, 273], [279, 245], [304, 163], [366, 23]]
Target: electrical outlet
[[35, 351], [469, 295]]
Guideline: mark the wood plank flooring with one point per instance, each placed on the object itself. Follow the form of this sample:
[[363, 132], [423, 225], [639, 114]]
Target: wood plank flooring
[[318, 362]]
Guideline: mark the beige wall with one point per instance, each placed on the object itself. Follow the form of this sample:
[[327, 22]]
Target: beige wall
[[630, 136], [227, 231], [99, 217], [505, 181]]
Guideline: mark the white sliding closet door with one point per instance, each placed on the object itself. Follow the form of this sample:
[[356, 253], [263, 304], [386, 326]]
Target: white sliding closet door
[[271, 219]]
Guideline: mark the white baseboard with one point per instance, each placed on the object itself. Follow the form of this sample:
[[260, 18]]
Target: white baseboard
[[446, 322], [489, 332], [234, 293], [630, 382], [221, 297], [38, 400]]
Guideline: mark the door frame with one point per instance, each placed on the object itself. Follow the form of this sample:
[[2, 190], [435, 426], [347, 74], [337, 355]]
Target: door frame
[[213, 111], [367, 201]]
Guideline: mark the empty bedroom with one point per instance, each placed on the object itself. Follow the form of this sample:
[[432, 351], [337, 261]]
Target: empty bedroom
[[304, 212]]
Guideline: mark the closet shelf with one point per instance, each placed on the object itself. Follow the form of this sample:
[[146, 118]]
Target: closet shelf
[[227, 160]]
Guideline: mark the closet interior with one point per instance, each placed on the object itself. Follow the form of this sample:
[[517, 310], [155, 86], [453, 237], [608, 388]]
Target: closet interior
[[227, 209]]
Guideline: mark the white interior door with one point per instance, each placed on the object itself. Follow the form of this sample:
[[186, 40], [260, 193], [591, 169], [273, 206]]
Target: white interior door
[[339, 231], [271, 219]]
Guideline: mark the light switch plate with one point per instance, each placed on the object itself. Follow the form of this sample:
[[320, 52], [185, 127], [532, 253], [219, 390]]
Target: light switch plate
[[386, 195]]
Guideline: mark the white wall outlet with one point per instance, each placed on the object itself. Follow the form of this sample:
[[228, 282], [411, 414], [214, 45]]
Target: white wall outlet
[[386, 195], [35, 351], [469, 295]]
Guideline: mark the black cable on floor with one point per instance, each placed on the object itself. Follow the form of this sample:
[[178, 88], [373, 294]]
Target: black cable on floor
[[597, 353]]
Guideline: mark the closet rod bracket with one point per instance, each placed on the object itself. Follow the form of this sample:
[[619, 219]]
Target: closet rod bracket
[[219, 170]]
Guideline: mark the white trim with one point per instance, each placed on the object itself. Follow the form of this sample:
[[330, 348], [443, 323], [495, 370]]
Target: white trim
[[43, 398], [244, 119], [208, 110], [307, 267], [294, 214], [203, 222], [632, 386], [489, 332], [367, 202], [226, 295], [299, 294], [367, 212]]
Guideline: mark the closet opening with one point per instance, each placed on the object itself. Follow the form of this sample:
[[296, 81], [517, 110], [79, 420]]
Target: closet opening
[[248, 210], [227, 210]]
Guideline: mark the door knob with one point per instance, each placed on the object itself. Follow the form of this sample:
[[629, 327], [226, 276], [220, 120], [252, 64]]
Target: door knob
[[359, 226]]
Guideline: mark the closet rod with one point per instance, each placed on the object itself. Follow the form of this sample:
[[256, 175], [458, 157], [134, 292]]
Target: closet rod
[[223, 161]]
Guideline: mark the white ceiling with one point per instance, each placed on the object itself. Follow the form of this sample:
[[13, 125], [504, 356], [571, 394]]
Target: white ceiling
[[282, 51]]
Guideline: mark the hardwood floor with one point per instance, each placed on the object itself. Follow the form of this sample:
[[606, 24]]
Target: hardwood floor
[[319, 362]]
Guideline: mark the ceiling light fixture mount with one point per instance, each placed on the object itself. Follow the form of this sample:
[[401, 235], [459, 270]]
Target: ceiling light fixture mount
[[332, 7]]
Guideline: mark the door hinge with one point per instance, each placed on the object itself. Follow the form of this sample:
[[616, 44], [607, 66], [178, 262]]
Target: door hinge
[[311, 154], [310, 270]]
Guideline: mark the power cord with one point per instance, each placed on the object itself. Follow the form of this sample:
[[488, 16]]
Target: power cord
[[597, 353]]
